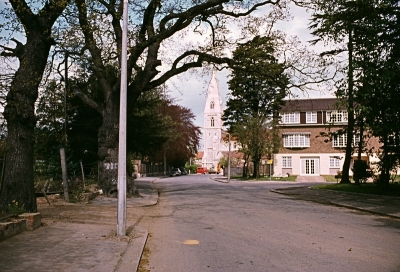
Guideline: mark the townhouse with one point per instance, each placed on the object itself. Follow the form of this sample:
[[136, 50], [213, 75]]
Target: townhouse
[[311, 140]]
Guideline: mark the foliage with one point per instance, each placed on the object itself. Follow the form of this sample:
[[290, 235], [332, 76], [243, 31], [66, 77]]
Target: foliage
[[182, 136], [15, 208], [223, 161], [147, 128], [360, 171], [157, 48], [368, 32], [191, 168], [258, 85]]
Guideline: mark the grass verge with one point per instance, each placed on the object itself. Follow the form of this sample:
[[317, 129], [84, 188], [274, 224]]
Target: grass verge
[[366, 188], [266, 178]]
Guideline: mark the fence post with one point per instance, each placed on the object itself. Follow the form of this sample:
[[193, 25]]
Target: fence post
[[64, 174]]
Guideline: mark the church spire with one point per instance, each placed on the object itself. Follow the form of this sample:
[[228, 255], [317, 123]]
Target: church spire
[[213, 101]]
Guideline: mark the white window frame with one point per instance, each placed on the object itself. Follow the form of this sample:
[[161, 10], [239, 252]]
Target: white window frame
[[286, 162], [337, 116], [311, 117], [340, 140], [212, 105], [212, 121], [296, 140], [334, 162], [290, 118]]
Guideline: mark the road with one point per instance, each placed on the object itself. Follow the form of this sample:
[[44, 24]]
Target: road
[[203, 225]]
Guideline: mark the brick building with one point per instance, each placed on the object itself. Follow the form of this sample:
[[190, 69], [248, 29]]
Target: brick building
[[311, 142]]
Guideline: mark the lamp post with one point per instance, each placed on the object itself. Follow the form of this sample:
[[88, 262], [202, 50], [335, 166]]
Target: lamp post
[[121, 212]]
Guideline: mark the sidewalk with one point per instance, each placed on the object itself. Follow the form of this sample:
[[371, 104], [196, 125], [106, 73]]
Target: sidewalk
[[81, 246]]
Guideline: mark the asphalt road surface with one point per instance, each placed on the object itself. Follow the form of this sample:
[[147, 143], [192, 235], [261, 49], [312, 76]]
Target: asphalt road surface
[[203, 225]]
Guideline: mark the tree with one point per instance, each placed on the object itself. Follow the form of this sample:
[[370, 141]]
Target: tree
[[155, 28], [182, 137], [18, 182], [366, 31], [258, 86]]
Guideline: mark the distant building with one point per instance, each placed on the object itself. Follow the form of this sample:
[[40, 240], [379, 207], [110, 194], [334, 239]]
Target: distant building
[[311, 141], [214, 136]]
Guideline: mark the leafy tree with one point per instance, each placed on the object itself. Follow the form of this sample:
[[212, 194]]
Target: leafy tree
[[258, 86], [155, 28], [335, 21], [182, 135], [34, 25], [147, 129], [367, 31]]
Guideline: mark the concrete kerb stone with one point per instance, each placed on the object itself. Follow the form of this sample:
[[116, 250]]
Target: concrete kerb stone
[[221, 179], [130, 258]]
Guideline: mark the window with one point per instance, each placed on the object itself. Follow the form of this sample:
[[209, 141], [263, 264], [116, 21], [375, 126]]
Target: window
[[212, 121], [334, 162], [336, 116], [296, 140], [286, 162], [291, 118], [340, 140], [212, 105], [311, 117]]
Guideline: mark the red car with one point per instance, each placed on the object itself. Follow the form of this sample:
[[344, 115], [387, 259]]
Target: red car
[[201, 170]]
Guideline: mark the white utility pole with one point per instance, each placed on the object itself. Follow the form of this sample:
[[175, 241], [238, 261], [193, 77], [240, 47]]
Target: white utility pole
[[121, 212], [229, 157]]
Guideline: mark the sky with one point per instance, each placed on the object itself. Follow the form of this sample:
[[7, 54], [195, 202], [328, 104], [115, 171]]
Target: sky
[[190, 90]]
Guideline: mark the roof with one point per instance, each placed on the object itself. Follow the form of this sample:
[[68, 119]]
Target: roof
[[200, 154], [316, 104]]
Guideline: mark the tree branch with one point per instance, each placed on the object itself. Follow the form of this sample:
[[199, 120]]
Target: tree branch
[[86, 99], [175, 70]]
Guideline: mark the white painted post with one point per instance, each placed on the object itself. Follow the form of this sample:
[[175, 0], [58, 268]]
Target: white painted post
[[229, 157], [121, 212]]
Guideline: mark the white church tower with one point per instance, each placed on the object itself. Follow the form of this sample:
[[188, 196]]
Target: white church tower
[[212, 126]]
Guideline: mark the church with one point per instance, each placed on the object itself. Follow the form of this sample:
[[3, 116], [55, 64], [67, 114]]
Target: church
[[215, 137]]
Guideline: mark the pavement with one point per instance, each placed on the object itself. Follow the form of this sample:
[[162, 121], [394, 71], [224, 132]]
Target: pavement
[[93, 247]]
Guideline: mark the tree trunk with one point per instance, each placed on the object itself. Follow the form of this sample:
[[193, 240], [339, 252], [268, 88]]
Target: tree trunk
[[18, 183], [350, 112], [108, 147], [108, 150], [256, 171]]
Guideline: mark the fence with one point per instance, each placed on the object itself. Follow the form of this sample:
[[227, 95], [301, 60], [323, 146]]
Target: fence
[[264, 170], [153, 169]]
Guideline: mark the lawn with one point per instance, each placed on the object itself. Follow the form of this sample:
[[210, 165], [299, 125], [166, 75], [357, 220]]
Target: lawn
[[366, 188], [266, 178]]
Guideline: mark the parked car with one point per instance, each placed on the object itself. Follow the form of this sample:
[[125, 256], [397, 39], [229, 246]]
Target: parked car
[[201, 170], [174, 172], [183, 171]]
